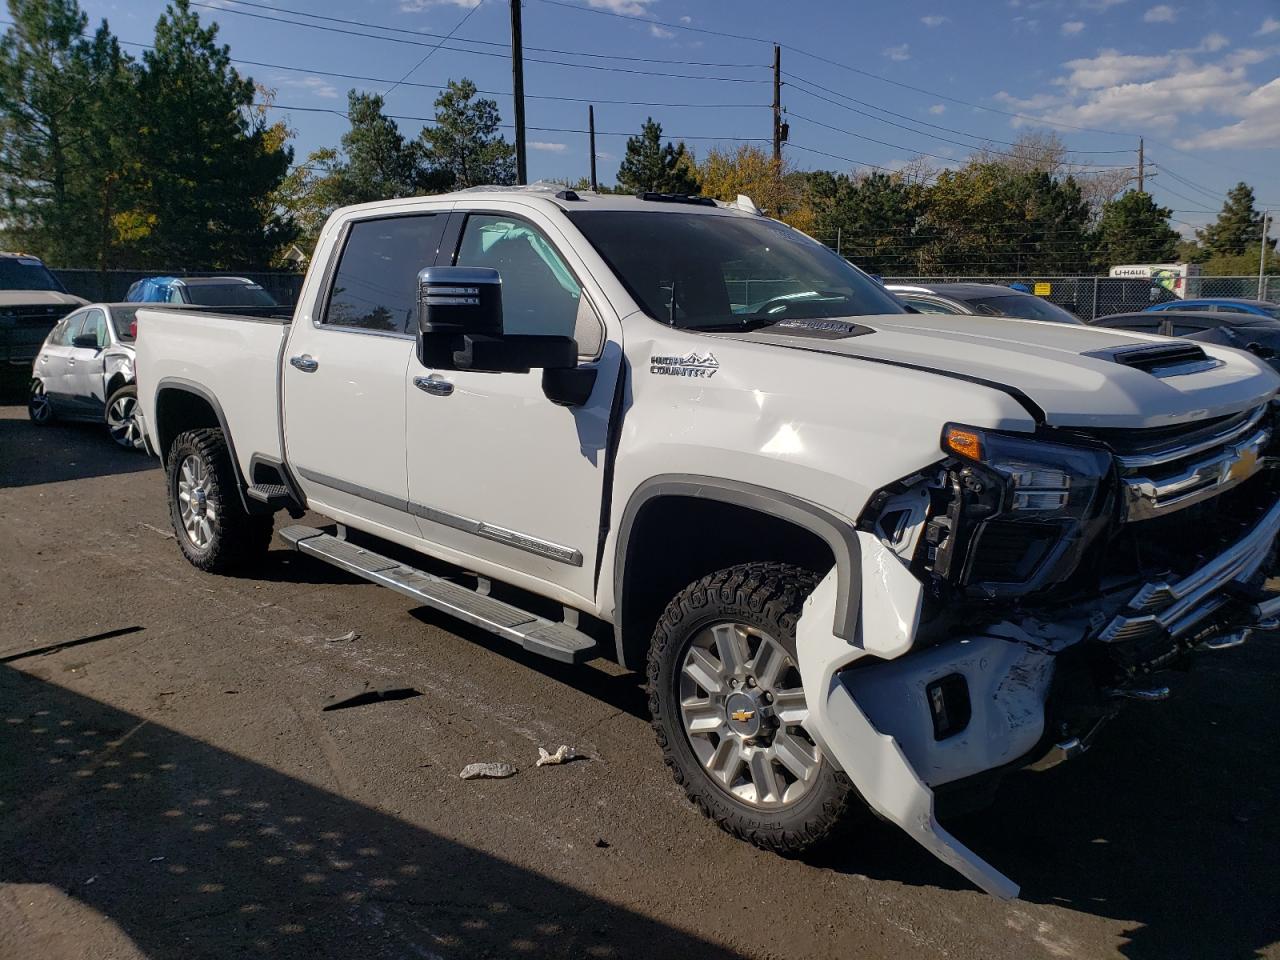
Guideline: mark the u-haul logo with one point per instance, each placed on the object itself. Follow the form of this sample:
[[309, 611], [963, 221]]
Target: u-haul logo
[[692, 364]]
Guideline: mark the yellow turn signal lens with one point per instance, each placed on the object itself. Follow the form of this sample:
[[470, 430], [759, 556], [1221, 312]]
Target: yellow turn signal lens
[[965, 443]]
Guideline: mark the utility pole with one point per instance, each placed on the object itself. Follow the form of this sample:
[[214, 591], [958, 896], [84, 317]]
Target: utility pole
[[777, 104], [1142, 167], [1262, 257], [591, 129], [517, 90]]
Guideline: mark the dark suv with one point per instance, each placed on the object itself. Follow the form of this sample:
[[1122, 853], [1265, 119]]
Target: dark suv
[[32, 301]]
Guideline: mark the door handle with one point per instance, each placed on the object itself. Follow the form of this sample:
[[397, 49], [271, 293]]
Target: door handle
[[306, 363], [434, 385]]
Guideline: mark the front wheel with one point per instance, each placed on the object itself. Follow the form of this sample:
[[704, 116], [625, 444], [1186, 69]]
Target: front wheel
[[122, 418], [39, 408], [729, 709], [214, 530]]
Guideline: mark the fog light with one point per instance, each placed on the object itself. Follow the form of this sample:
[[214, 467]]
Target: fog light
[[949, 705]]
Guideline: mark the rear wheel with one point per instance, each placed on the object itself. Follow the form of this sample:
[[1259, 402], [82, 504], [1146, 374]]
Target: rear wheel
[[214, 530], [122, 418], [729, 709], [39, 409]]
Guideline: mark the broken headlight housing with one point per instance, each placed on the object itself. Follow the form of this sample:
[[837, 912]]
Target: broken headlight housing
[[1021, 510]]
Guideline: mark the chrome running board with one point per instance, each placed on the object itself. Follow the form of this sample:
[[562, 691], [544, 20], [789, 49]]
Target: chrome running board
[[559, 641]]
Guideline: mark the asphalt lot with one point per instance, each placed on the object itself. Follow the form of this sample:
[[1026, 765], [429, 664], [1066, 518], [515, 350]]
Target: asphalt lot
[[170, 785]]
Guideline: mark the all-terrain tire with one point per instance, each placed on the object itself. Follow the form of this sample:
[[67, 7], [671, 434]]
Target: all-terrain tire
[[768, 597], [233, 540]]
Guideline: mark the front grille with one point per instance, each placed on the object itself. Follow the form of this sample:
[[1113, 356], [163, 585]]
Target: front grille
[[1171, 468]]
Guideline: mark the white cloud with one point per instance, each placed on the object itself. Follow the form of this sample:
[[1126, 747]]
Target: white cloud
[[548, 147], [900, 52], [312, 84], [1072, 27], [601, 155], [1259, 124], [1110, 67], [1162, 13], [632, 8], [1269, 25], [938, 109], [662, 33], [1163, 103], [686, 20], [415, 6], [934, 20], [1214, 42], [1102, 4]]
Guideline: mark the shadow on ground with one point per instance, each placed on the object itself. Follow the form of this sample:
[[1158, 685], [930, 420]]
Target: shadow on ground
[[61, 451], [1172, 822], [195, 852]]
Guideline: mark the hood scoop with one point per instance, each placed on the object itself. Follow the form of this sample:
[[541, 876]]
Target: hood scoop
[[1160, 359]]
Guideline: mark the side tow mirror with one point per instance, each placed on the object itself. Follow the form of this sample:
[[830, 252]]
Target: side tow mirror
[[460, 326]]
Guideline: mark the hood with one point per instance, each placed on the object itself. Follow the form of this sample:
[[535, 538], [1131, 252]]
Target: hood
[[38, 298], [1066, 375]]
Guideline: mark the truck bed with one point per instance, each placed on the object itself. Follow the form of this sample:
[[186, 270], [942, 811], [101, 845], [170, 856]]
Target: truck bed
[[233, 360]]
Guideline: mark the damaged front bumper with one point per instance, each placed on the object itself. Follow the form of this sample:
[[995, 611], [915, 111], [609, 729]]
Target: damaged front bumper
[[875, 704]]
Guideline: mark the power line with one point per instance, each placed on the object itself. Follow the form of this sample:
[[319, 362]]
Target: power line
[[832, 156], [509, 126], [984, 141], [458, 26], [924, 153], [842, 66], [422, 33], [438, 86]]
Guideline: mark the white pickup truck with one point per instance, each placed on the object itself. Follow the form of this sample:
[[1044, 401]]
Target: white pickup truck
[[861, 553]]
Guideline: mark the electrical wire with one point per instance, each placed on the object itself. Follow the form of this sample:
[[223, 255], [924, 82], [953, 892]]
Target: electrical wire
[[458, 26], [511, 126]]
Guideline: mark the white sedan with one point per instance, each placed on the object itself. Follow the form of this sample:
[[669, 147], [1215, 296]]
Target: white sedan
[[84, 371]]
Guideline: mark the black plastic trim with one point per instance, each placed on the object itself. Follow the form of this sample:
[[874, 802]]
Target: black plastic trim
[[179, 385], [839, 534]]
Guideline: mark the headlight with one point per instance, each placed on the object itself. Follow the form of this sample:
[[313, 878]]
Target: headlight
[[1022, 512], [1041, 479]]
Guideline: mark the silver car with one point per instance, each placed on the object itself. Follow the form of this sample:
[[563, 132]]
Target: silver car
[[84, 371]]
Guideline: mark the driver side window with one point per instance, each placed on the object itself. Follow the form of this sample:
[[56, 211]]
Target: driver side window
[[540, 295]]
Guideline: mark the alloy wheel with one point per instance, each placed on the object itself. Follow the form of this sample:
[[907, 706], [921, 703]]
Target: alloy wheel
[[122, 421], [743, 709], [199, 514], [38, 404]]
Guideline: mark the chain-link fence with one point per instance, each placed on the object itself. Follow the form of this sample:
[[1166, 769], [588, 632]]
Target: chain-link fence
[[1091, 297], [112, 286]]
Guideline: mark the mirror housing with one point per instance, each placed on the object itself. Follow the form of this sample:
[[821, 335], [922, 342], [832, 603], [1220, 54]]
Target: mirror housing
[[460, 300], [89, 340], [460, 326]]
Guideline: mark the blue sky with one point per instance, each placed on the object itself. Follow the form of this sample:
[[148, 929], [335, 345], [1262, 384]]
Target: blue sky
[[1200, 80]]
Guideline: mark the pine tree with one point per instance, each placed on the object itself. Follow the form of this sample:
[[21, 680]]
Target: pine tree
[[650, 167], [1134, 229], [379, 163], [207, 163], [1238, 228], [62, 98], [464, 148]]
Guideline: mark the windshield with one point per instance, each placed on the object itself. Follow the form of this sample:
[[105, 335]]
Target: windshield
[[1023, 307], [229, 294], [26, 273], [705, 272], [124, 320]]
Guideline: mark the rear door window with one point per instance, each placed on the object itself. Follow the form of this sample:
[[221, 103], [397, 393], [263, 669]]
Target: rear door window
[[375, 287]]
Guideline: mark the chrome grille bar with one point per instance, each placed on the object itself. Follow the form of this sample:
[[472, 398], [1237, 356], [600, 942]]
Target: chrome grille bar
[[1177, 607], [1179, 451]]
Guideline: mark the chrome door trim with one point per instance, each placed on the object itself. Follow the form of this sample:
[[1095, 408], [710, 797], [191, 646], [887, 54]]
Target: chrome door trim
[[479, 528]]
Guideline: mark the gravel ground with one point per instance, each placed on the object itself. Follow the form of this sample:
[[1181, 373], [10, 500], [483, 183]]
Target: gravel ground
[[171, 786]]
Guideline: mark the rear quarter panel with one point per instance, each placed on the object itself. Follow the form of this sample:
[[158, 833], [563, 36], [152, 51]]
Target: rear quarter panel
[[235, 360]]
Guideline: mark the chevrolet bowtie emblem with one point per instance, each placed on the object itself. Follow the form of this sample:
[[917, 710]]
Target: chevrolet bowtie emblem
[[742, 716]]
